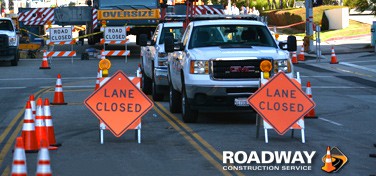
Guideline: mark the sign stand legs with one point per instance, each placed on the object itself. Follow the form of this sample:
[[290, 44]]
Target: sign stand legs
[[102, 127]]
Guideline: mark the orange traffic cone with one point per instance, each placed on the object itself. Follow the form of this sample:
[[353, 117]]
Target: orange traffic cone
[[102, 54], [301, 54], [32, 103], [40, 127], [294, 60], [97, 83], [334, 57], [19, 159], [59, 95], [44, 62], [28, 131], [138, 71], [328, 167], [49, 124], [44, 165], [311, 113]]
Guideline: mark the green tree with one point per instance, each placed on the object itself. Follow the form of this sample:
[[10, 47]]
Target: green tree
[[362, 5]]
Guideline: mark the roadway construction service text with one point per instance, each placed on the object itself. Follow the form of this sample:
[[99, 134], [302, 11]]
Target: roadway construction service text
[[124, 106], [61, 34]]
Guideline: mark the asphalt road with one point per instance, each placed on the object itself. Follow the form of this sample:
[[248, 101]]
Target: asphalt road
[[344, 94]]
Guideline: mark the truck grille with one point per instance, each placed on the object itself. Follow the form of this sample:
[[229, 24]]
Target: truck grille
[[235, 69], [4, 41]]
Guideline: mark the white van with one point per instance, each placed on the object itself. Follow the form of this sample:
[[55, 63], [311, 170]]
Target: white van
[[8, 41]]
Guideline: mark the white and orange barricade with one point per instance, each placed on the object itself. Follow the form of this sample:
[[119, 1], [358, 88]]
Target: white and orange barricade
[[136, 125], [299, 125], [61, 36], [115, 35]]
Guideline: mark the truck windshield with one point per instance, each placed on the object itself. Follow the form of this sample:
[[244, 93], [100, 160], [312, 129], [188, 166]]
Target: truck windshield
[[6, 25], [176, 31], [231, 35], [148, 3]]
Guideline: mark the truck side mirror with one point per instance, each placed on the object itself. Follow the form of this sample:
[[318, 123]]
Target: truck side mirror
[[169, 44], [291, 43], [143, 40]]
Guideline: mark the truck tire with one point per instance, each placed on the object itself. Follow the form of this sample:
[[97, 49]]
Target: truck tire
[[156, 96], [175, 100], [189, 115], [146, 84], [14, 62]]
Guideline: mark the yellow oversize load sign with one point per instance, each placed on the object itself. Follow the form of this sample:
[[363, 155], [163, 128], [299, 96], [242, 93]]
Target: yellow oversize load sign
[[128, 14]]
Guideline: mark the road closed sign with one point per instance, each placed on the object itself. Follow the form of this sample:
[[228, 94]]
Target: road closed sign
[[281, 103], [118, 103], [115, 33], [61, 34]]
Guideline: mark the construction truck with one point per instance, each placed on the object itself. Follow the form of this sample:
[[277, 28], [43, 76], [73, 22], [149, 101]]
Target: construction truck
[[141, 16]]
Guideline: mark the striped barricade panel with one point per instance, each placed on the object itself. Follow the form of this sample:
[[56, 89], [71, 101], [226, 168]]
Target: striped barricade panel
[[204, 9], [122, 42], [116, 53], [48, 42], [95, 18], [61, 53], [38, 16], [136, 81]]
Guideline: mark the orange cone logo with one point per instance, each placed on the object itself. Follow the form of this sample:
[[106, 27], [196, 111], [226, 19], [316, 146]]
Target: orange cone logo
[[334, 160]]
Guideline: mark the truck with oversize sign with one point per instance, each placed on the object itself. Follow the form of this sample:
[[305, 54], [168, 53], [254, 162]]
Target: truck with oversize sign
[[218, 63]]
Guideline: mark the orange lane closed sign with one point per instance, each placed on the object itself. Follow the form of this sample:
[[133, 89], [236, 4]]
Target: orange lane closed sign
[[118, 103], [281, 103]]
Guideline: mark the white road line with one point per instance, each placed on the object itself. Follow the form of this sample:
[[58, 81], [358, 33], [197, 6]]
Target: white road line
[[5, 88], [330, 121], [43, 87], [368, 61], [24, 79], [317, 76], [337, 87], [358, 66]]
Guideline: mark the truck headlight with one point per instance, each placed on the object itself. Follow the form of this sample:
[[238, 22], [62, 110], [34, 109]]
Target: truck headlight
[[12, 41], [282, 65], [199, 67]]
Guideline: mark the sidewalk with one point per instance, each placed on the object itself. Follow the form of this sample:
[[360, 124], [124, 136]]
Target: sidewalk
[[342, 45]]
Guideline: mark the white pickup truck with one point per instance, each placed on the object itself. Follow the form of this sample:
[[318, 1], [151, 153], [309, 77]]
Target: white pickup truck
[[8, 41], [154, 59], [216, 66]]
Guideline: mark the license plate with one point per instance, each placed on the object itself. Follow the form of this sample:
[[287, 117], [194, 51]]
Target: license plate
[[241, 102]]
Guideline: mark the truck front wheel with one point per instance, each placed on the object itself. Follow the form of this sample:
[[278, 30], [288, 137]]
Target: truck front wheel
[[189, 115], [175, 100]]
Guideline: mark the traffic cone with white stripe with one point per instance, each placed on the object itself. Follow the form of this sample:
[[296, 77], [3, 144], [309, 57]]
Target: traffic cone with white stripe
[[301, 54], [44, 62], [59, 95], [44, 165], [28, 131], [102, 54], [138, 71], [97, 83], [19, 159], [311, 113], [40, 126], [49, 124], [294, 60], [328, 166], [32, 103], [333, 59]]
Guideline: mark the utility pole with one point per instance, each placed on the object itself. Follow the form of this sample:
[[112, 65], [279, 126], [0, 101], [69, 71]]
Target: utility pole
[[309, 23]]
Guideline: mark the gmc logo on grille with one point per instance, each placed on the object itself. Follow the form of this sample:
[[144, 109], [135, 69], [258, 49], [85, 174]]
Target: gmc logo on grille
[[242, 69]]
